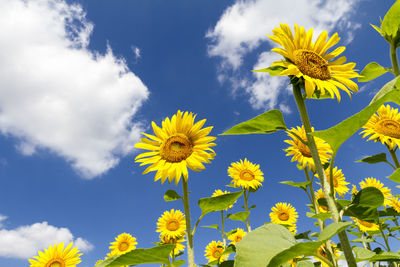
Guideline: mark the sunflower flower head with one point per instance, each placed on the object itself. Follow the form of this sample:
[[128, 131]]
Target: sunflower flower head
[[214, 252], [322, 252], [284, 214], [318, 195], [219, 192], [372, 182], [178, 243], [237, 236], [395, 204], [300, 151], [123, 243], [179, 144], [339, 182], [172, 224], [384, 126], [246, 174], [365, 226], [312, 63], [57, 256]]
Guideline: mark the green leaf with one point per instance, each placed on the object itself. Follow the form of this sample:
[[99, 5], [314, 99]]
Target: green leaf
[[171, 195], [268, 122], [260, 245], [363, 254], [391, 22], [381, 157], [342, 203], [239, 216], [332, 230], [299, 184], [229, 263], [389, 212], [371, 71], [177, 263], [159, 254], [273, 70], [303, 235], [211, 204], [369, 197], [322, 216], [305, 264], [388, 87], [362, 213], [214, 226], [336, 135], [395, 176]]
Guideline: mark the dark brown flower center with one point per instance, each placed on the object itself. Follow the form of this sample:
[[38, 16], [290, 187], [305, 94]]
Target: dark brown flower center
[[389, 128], [366, 224], [123, 246], [283, 216], [311, 64], [176, 148]]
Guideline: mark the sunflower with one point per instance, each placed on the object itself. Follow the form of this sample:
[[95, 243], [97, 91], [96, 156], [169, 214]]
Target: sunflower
[[395, 204], [322, 252], [318, 195], [312, 63], [178, 243], [237, 236], [372, 182], [214, 250], [301, 153], [283, 213], [354, 190], [123, 243], [179, 144], [384, 126], [339, 182], [219, 192], [365, 226], [245, 174], [57, 256], [172, 224]]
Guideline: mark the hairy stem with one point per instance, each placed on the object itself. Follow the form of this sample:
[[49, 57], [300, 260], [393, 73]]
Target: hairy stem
[[189, 235], [246, 196]]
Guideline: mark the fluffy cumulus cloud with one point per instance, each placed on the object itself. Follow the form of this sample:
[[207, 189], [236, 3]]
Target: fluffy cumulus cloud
[[25, 241], [58, 95], [244, 26]]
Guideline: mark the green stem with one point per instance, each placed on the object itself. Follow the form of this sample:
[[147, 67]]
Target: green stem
[[189, 235], [384, 238], [325, 260], [321, 174], [223, 228], [394, 157], [393, 57], [246, 196]]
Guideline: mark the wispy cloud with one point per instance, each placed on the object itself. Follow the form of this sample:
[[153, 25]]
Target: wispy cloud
[[58, 95], [244, 26]]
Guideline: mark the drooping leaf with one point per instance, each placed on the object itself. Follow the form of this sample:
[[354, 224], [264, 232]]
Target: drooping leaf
[[303, 235], [388, 212], [391, 22], [273, 70], [297, 184], [390, 86], [214, 226], [171, 195], [177, 263], [371, 71], [268, 122], [395, 176], [159, 254], [362, 213], [381, 157], [239, 216], [332, 229], [370, 197], [338, 134], [211, 204]]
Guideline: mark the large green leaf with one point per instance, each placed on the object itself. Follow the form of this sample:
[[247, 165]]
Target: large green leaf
[[273, 70], [339, 133], [363, 254], [381, 157], [297, 184], [370, 197], [395, 176], [371, 71], [210, 204], [239, 216], [391, 22], [159, 254], [362, 213], [268, 122], [305, 264], [392, 85]]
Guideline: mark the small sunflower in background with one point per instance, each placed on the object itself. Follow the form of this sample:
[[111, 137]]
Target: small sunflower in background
[[219, 192], [245, 174], [384, 126], [339, 182], [177, 241], [322, 252], [318, 195], [214, 250], [354, 190], [312, 62], [172, 224], [179, 144], [372, 182], [301, 153], [284, 214], [365, 226], [57, 256], [237, 236], [395, 204], [123, 243]]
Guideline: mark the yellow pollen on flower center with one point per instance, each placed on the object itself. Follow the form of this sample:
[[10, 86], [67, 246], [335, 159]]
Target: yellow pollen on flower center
[[176, 148], [283, 216], [246, 175], [312, 64], [123, 246], [366, 224], [389, 128], [56, 263], [217, 253], [173, 225], [238, 238]]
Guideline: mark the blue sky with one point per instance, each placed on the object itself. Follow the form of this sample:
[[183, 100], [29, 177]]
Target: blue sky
[[79, 81]]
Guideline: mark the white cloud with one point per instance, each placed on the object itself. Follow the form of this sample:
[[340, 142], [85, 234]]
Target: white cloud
[[244, 26], [136, 51], [2, 219], [58, 95], [25, 241]]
